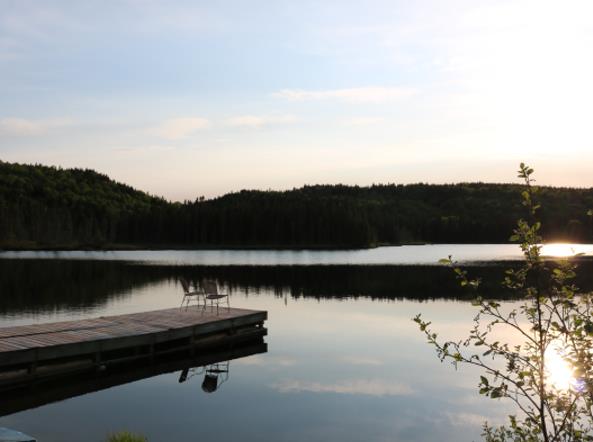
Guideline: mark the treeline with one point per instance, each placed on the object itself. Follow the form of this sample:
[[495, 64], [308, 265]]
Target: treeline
[[44, 206]]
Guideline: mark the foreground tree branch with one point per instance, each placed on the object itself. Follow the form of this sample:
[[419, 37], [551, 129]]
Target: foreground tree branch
[[554, 322]]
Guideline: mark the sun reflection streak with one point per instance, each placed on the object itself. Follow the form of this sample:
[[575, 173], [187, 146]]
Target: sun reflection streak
[[564, 250], [560, 374]]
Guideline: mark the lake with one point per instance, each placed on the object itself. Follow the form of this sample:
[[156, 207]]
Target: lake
[[344, 362], [394, 255]]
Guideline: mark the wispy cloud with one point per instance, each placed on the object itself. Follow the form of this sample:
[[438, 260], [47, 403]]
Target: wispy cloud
[[461, 419], [363, 121], [355, 386], [178, 128], [361, 360], [372, 94], [268, 361], [143, 149], [259, 120], [27, 127]]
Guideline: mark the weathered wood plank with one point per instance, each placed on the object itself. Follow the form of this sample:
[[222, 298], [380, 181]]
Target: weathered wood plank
[[136, 322], [23, 344]]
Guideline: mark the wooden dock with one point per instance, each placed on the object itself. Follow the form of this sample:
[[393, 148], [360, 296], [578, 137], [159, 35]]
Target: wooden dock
[[36, 351]]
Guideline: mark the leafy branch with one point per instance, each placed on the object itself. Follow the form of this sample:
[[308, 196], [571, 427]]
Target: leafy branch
[[553, 322]]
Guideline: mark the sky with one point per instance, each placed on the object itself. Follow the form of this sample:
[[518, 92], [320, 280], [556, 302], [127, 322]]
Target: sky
[[191, 98]]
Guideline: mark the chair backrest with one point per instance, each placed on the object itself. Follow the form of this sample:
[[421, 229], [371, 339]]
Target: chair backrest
[[210, 287], [184, 284]]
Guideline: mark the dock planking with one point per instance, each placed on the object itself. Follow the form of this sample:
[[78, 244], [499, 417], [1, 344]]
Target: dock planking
[[113, 339]]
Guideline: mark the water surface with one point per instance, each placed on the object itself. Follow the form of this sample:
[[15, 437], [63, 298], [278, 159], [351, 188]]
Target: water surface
[[344, 362], [421, 255]]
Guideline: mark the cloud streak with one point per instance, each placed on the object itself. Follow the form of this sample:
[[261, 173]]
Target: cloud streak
[[26, 127], [179, 128], [256, 121], [135, 150], [361, 360], [368, 94], [364, 121], [355, 386]]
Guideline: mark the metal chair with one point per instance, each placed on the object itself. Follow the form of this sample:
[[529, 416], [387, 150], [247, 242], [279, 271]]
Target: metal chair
[[189, 294], [212, 294]]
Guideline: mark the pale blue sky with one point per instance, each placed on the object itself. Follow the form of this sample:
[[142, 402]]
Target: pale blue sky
[[188, 98]]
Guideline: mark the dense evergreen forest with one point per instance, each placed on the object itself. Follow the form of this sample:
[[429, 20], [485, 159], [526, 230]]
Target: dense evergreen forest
[[49, 207]]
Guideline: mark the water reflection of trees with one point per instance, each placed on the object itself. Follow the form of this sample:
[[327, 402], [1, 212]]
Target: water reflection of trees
[[373, 281], [36, 285]]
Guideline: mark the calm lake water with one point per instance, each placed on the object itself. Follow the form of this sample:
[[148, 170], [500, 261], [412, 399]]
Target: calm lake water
[[345, 362], [421, 255]]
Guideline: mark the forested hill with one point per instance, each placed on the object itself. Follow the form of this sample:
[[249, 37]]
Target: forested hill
[[48, 207], [42, 205]]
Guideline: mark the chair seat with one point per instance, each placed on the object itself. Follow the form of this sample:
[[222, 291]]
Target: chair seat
[[215, 296]]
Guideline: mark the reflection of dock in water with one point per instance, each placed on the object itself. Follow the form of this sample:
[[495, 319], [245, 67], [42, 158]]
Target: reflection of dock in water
[[38, 393], [33, 353]]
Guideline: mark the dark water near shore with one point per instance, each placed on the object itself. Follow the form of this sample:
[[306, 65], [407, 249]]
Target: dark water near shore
[[344, 361]]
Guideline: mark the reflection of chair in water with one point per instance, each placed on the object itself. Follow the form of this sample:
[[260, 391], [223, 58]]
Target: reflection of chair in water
[[212, 294], [214, 375], [189, 294]]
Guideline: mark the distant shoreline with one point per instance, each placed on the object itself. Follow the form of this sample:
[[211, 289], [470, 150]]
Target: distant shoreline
[[45, 208], [34, 247]]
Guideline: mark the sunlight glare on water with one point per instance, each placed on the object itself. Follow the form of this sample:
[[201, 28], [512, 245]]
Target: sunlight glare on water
[[559, 372], [563, 250]]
